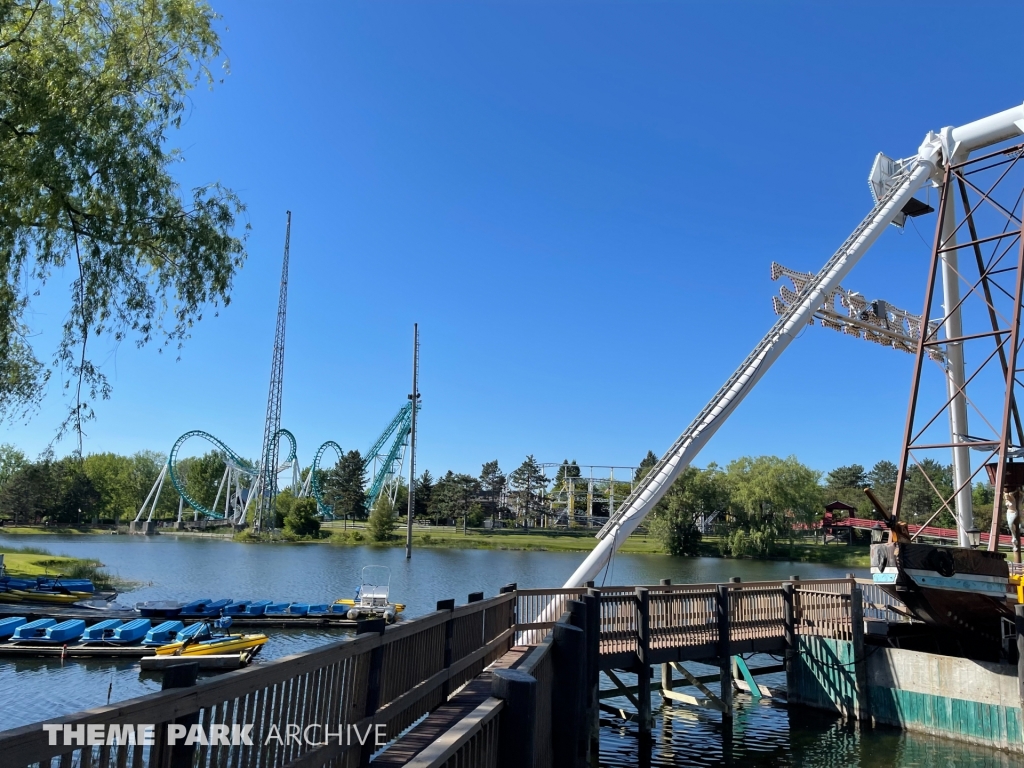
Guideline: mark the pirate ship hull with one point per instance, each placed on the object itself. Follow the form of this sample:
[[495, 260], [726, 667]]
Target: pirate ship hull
[[961, 591]]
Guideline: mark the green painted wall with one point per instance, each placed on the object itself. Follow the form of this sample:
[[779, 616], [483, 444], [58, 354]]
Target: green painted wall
[[971, 721], [823, 677]]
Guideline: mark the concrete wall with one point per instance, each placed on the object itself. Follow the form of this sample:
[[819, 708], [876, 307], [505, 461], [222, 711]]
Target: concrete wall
[[972, 701]]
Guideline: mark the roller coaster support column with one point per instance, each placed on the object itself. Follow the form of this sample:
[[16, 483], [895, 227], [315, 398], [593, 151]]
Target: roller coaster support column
[[653, 486], [154, 494]]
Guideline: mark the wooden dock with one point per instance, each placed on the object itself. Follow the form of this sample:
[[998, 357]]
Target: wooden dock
[[512, 680], [276, 621]]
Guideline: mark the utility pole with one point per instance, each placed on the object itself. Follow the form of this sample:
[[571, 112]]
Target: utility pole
[[415, 398]]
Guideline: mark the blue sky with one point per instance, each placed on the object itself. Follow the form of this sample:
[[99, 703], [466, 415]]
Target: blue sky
[[578, 202]]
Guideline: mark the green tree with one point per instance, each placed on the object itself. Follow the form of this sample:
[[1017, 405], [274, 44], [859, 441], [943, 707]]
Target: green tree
[[88, 93], [424, 494], [11, 460], [301, 520], [983, 495], [529, 487], [492, 487], [770, 493], [345, 486], [695, 493], [452, 496], [203, 475], [78, 499], [284, 503], [852, 476], [383, 519], [846, 484], [31, 493], [924, 485], [646, 465], [882, 479]]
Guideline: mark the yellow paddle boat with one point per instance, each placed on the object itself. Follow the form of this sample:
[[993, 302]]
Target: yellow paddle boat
[[216, 644], [40, 596]]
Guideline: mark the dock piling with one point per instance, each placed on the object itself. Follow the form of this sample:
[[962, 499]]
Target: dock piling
[[860, 664], [182, 675], [568, 733], [643, 652], [724, 650], [666, 669], [516, 745]]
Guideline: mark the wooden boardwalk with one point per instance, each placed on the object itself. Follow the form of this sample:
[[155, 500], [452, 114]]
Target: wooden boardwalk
[[441, 720], [430, 679]]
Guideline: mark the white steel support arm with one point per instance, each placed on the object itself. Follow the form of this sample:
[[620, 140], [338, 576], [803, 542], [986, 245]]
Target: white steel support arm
[[654, 485]]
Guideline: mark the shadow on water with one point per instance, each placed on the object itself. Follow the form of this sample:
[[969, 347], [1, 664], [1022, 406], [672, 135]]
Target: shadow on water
[[765, 735]]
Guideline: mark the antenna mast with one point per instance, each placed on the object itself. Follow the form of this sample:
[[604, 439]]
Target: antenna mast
[[415, 398], [267, 481]]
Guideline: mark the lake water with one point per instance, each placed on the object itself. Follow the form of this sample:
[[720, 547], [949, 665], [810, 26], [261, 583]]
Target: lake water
[[181, 568]]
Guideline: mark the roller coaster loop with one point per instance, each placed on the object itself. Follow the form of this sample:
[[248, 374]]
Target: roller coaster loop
[[325, 509], [232, 459]]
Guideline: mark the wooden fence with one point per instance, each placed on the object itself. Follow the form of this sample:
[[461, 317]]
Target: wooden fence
[[397, 675], [388, 679]]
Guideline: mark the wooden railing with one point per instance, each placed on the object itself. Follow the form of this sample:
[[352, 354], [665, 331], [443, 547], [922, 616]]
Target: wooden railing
[[685, 615], [395, 676], [540, 664], [388, 679]]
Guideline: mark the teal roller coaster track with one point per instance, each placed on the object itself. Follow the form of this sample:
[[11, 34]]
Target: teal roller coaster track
[[383, 460], [236, 467]]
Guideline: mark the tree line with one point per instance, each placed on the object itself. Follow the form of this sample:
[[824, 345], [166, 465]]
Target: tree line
[[754, 501]]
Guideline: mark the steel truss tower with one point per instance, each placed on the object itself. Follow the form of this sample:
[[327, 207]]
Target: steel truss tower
[[973, 299], [267, 480]]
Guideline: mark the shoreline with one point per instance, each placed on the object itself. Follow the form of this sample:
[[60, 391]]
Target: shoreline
[[562, 541]]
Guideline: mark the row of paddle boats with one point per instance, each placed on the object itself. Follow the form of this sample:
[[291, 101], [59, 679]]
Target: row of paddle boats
[[372, 600], [45, 589], [211, 609], [166, 638]]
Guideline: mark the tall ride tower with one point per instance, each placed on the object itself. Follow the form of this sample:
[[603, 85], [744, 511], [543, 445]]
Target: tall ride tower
[[266, 485]]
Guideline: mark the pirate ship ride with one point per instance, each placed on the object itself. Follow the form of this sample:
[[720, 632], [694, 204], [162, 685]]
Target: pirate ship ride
[[963, 403]]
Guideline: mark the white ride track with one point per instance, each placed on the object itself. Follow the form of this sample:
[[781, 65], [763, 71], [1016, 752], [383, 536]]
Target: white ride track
[[937, 149]]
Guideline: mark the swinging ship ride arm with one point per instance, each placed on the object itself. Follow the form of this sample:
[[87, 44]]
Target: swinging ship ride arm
[[951, 142]]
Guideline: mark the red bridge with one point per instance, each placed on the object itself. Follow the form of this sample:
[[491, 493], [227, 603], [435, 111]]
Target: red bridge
[[926, 532]]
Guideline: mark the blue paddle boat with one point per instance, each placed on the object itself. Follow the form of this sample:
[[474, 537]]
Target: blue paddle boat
[[164, 633], [131, 632], [101, 631], [34, 630], [8, 625]]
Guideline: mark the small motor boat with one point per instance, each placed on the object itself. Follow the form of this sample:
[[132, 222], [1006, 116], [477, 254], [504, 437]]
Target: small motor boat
[[372, 597]]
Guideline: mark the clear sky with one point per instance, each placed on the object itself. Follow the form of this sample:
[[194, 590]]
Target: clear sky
[[578, 202]]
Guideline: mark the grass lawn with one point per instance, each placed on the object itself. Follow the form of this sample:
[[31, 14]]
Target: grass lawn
[[31, 562], [40, 530]]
